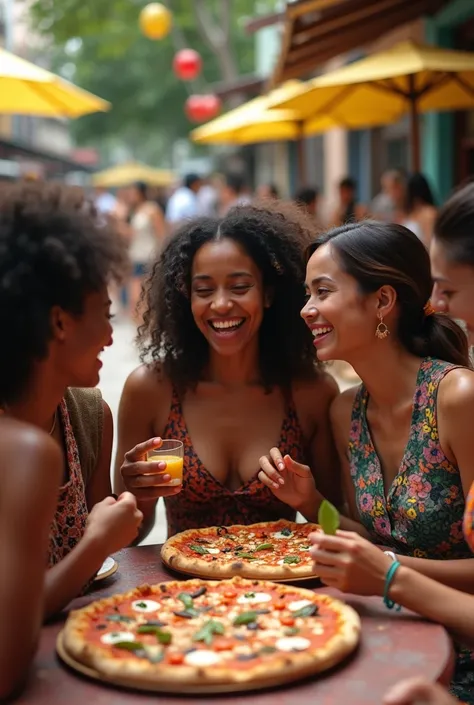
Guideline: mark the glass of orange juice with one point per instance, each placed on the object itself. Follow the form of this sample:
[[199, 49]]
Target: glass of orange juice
[[170, 452]]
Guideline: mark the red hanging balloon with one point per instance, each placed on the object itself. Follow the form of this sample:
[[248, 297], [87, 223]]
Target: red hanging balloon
[[187, 64], [200, 108]]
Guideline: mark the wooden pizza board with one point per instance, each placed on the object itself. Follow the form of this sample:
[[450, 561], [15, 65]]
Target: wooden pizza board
[[179, 688]]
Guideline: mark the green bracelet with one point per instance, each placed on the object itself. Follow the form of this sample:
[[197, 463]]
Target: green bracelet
[[390, 604]]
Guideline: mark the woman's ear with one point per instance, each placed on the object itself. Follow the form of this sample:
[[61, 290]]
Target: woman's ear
[[385, 301]]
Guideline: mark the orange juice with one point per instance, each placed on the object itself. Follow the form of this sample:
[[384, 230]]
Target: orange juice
[[174, 467]]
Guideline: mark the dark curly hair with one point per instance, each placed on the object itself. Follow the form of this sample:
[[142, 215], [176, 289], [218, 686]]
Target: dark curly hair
[[275, 235], [53, 252]]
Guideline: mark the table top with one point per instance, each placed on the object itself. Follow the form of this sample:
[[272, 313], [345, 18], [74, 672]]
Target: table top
[[394, 646]]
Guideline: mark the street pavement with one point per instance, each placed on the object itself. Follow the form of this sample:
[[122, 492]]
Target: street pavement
[[119, 360]]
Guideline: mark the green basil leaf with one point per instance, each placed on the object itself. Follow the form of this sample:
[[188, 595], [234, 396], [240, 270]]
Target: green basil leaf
[[328, 517], [286, 532], [307, 611], [289, 560], [291, 631], [198, 549], [186, 599], [268, 649], [246, 618], [265, 547], [161, 636], [129, 645], [249, 595], [248, 556], [208, 630], [119, 618]]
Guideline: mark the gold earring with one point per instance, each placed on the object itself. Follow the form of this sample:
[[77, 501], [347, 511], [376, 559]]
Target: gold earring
[[382, 330]]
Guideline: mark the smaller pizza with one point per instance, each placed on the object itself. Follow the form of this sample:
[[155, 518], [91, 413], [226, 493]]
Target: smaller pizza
[[277, 550], [204, 634]]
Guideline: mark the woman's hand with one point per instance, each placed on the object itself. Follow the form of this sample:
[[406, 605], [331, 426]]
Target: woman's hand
[[146, 480], [419, 692], [113, 524], [349, 562], [291, 482]]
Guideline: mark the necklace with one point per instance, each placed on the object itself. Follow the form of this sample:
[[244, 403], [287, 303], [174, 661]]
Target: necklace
[[53, 427]]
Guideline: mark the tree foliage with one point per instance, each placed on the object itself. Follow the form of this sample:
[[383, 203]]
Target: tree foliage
[[98, 45]]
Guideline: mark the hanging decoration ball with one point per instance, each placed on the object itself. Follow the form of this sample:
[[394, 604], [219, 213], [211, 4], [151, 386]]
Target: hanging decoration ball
[[155, 21], [201, 108], [187, 64]]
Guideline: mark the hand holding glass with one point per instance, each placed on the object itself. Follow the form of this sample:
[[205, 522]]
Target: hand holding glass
[[170, 452]]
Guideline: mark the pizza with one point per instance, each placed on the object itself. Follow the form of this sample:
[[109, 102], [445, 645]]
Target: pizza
[[276, 550], [211, 633]]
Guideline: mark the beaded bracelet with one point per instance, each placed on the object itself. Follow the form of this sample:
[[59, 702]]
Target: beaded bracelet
[[390, 604]]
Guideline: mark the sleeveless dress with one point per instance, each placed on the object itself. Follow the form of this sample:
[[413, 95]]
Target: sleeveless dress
[[70, 519], [422, 514], [204, 501], [144, 242]]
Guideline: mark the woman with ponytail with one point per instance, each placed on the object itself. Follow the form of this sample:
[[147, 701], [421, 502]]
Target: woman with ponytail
[[404, 436]]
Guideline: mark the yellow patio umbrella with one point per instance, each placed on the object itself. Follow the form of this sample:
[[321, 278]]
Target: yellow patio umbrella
[[253, 122], [26, 89], [257, 121], [379, 89], [125, 174]]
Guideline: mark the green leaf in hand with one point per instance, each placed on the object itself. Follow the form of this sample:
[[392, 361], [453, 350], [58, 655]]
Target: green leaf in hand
[[328, 517]]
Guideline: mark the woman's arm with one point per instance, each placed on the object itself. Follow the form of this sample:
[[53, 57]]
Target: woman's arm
[[143, 412], [28, 500], [100, 485], [455, 414], [313, 403], [350, 563], [158, 220]]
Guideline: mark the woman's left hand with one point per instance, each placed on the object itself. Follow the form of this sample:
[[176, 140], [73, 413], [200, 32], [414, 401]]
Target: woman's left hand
[[349, 562]]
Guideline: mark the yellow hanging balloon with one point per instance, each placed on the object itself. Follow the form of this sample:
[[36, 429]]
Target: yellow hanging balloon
[[155, 21]]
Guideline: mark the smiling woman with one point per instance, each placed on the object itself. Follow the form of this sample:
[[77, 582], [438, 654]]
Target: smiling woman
[[230, 370]]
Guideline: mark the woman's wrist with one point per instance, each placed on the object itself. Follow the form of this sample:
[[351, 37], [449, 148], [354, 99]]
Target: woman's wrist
[[309, 508]]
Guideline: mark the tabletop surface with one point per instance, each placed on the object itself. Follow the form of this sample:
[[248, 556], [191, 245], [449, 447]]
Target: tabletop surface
[[394, 646]]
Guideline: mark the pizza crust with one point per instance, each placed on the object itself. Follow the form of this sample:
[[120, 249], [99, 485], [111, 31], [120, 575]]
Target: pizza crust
[[141, 673], [220, 569]]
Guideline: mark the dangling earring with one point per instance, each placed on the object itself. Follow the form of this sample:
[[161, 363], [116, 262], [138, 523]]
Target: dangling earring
[[382, 330]]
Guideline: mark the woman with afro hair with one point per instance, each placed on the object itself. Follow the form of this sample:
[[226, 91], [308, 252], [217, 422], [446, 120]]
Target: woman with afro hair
[[228, 367], [56, 260]]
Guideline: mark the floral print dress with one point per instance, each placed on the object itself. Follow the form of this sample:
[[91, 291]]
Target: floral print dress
[[204, 501], [70, 519], [422, 513]]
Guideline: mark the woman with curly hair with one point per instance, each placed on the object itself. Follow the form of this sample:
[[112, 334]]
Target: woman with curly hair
[[230, 368], [55, 263]]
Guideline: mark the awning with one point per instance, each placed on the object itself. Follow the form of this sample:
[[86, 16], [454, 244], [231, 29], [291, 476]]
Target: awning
[[319, 30]]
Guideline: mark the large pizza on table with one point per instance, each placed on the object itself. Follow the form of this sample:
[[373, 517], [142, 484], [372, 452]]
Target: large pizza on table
[[277, 550], [202, 634]]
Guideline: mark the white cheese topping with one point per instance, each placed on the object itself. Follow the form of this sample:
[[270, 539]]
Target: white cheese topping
[[292, 643], [279, 535], [254, 598], [202, 657], [318, 630], [213, 550], [116, 637], [298, 605], [145, 606]]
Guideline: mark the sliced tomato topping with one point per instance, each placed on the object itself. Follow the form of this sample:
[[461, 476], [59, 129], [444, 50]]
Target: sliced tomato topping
[[175, 658], [223, 644], [287, 621]]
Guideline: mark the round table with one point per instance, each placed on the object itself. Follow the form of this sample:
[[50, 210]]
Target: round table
[[394, 646]]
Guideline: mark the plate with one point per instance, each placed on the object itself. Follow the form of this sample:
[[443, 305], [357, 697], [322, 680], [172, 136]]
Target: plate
[[289, 581], [181, 688], [108, 568]]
